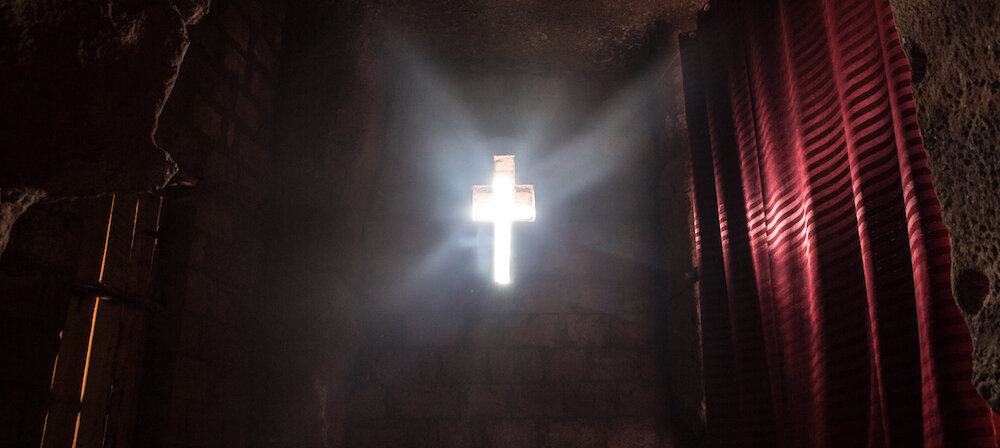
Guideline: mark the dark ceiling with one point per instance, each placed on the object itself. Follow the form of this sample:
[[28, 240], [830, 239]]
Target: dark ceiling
[[569, 35]]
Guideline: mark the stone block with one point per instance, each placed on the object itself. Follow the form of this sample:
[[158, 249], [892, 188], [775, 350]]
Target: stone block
[[367, 402], [571, 435], [532, 330], [567, 365], [434, 330], [420, 401], [633, 332], [387, 435], [512, 434], [262, 51], [253, 10], [460, 434], [211, 82], [641, 400], [385, 332], [233, 61], [485, 331], [517, 365], [486, 400], [597, 399], [545, 296], [207, 36], [248, 113], [463, 366], [406, 367], [595, 297], [634, 436], [206, 119], [586, 330], [537, 400], [236, 27], [615, 365]]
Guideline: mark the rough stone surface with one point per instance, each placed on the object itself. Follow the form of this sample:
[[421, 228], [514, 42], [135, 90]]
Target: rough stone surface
[[13, 202], [82, 85], [541, 35], [954, 48], [217, 125], [199, 378]]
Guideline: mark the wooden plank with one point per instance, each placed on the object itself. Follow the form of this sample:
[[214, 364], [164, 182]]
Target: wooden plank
[[144, 245], [130, 343], [97, 384], [115, 272], [97, 371], [75, 339], [93, 237], [68, 376], [131, 246], [125, 378]]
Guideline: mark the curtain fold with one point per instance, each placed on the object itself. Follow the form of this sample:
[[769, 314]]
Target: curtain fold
[[827, 314]]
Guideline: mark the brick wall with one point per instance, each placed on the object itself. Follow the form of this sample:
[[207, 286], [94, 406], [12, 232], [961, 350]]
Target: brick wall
[[332, 292], [218, 126], [328, 143], [572, 353]]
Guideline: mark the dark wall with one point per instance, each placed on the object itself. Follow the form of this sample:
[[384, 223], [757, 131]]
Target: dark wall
[[327, 148], [317, 281], [571, 353], [383, 326], [218, 126]]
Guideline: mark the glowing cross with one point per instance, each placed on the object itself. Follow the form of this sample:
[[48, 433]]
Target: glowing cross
[[502, 203]]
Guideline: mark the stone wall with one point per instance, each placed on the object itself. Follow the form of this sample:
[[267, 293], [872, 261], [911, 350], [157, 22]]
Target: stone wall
[[218, 127], [328, 148], [954, 50], [375, 321], [384, 328], [682, 341], [572, 353], [82, 84]]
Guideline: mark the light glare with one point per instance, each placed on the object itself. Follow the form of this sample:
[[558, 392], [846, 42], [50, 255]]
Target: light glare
[[497, 204]]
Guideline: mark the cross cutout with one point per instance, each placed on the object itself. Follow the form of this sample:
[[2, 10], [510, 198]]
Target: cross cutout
[[502, 203]]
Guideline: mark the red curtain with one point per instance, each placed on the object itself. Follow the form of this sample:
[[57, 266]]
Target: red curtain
[[827, 314]]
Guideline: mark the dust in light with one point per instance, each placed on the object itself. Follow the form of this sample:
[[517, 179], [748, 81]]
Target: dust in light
[[453, 125]]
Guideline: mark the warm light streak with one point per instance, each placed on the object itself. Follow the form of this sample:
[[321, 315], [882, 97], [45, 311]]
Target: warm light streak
[[107, 240], [86, 366], [135, 224], [52, 385], [156, 230]]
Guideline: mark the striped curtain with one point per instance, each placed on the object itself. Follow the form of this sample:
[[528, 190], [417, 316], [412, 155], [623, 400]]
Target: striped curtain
[[827, 313]]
